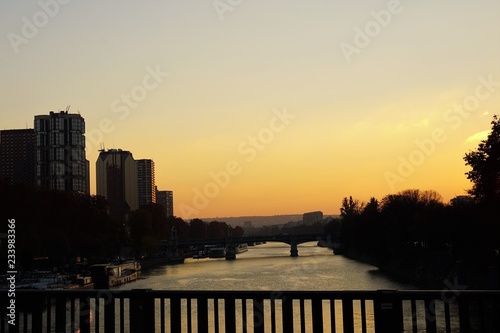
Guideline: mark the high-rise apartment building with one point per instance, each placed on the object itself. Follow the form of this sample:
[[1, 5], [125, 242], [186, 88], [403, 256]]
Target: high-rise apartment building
[[116, 176], [60, 152], [146, 189], [17, 156], [166, 199]]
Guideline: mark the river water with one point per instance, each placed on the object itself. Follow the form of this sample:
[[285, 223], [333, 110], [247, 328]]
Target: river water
[[270, 267]]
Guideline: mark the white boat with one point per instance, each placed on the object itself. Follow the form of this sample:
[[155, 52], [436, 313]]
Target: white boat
[[241, 248], [112, 275]]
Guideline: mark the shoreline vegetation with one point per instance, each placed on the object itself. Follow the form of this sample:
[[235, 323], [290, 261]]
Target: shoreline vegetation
[[415, 235]]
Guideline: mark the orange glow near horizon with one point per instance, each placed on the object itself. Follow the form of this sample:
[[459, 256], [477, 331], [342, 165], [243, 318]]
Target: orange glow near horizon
[[270, 108]]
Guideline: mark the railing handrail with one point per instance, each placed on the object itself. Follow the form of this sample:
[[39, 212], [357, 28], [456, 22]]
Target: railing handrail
[[302, 293], [387, 307]]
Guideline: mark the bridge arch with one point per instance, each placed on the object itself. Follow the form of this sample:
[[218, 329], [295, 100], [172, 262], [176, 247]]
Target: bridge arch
[[291, 239]]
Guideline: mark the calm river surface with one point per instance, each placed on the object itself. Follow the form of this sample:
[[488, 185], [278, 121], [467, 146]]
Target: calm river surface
[[270, 267]]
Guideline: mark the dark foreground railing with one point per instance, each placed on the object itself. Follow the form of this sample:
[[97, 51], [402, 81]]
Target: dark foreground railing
[[250, 311]]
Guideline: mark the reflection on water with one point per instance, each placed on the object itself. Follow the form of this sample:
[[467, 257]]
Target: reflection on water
[[270, 267]]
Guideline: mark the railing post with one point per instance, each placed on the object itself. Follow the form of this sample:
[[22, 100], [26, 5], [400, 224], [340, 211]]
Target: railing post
[[85, 316], [230, 313], [348, 315], [258, 315], [142, 312], [430, 316], [388, 312], [317, 314], [60, 313], [202, 311], [175, 314], [109, 311], [287, 313]]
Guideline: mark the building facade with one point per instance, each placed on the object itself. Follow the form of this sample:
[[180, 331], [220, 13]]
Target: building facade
[[146, 189], [166, 200], [60, 152], [17, 156], [312, 217], [116, 180]]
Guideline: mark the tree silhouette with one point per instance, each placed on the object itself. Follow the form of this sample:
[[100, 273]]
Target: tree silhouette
[[485, 164], [350, 207]]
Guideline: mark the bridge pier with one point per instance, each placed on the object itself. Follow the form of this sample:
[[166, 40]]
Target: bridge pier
[[230, 253], [294, 251]]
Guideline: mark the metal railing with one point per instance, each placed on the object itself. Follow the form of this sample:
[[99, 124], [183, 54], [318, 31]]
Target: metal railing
[[145, 310]]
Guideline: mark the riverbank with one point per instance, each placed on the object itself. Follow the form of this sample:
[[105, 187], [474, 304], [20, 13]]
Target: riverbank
[[433, 271]]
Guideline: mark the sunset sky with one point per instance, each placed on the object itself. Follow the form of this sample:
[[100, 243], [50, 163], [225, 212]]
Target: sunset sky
[[263, 107]]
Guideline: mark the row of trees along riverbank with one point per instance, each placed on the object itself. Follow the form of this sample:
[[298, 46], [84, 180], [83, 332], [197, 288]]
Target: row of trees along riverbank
[[53, 228], [415, 235]]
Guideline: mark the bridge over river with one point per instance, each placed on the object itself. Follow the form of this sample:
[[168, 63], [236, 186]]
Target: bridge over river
[[173, 245]]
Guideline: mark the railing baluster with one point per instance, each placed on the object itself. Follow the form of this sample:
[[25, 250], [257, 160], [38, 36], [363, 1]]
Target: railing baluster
[[97, 315], [413, 309], [202, 311], [162, 315], [430, 316], [230, 314], [189, 323], [347, 314], [273, 315], [447, 318], [332, 316], [72, 309], [258, 315], [122, 315], [317, 314], [23, 305], [175, 314], [84, 314], [61, 314], [302, 316], [216, 315], [363, 315], [49, 314], [244, 314], [25, 321], [464, 316], [109, 314], [287, 313], [36, 321]]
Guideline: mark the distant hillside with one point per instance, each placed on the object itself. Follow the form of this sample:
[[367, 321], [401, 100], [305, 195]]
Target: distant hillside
[[257, 221]]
